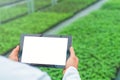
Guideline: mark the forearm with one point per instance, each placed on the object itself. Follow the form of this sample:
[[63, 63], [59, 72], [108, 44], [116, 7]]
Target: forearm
[[71, 74], [11, 70]]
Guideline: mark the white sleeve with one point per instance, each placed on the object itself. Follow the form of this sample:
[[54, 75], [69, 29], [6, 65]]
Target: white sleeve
[[71, 74], [10, 70]]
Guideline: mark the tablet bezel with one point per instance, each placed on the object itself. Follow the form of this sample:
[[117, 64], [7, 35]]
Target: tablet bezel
[[41, 35]]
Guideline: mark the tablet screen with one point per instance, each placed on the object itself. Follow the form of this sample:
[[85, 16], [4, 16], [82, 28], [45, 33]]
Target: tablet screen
[[44, 50]]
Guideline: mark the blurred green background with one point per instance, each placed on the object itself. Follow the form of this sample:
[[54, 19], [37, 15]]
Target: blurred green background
[[96, 37]]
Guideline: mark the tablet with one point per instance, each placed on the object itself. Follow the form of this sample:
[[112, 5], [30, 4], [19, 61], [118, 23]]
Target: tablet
[[45, 50]]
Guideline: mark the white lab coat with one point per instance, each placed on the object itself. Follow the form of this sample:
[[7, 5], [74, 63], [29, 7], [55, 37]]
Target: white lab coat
[[10, 70]]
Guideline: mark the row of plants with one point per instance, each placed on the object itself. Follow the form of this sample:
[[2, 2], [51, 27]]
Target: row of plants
[[41, 3], [33, 23], [70, 6], [38, 2], [13, 11], [20, 9], [6, 1], [96, 39], [37, 22]]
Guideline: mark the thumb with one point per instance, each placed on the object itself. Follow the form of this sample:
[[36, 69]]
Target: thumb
[[15, 51], [72, 53]]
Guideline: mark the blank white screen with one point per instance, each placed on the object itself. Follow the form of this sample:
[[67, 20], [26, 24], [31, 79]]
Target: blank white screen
[[44, 50]]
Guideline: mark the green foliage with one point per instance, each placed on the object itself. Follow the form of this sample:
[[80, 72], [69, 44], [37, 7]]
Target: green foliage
[[34, 23], [6, 1], [11, 12], [62, 6], [114, 6], [41, 3], [96, 39], [19, 9], [39, 22], [70, 6], [54, 73]]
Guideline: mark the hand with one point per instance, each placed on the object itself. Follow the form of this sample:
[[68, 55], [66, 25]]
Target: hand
[[14, 54], [72, 60]]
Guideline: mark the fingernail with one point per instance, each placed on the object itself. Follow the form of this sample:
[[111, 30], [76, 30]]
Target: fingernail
[[17, 46]]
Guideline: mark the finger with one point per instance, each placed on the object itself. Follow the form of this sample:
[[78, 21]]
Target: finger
[[72, 53]]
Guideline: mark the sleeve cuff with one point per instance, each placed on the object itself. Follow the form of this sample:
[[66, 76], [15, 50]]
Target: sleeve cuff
[[71, 74]]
